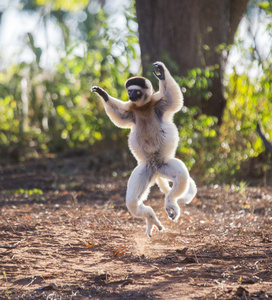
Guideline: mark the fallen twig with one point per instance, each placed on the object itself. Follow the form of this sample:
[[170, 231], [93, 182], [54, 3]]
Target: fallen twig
[[230, 256], [267, 144], [9, 248]]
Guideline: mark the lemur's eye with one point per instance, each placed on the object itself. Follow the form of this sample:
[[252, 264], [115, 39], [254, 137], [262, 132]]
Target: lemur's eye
[[129, 92], [138, 93]]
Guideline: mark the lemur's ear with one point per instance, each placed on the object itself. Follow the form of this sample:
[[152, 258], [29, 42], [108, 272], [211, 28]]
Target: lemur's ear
[[140, 81]]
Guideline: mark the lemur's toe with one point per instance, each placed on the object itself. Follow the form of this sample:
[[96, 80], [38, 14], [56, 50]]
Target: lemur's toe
[[150, 223], [149, 231], [161, 227], [173, 213]]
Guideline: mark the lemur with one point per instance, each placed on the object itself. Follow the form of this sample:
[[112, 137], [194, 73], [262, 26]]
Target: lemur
[[153, 141]]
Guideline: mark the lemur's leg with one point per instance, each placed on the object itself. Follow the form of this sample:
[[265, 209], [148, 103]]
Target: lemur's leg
[[176, 171], [163, 185], [137, 191]]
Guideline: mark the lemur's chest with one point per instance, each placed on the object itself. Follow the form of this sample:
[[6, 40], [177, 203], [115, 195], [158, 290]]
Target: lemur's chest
[[149, 134], [147, 124], [145, 118]]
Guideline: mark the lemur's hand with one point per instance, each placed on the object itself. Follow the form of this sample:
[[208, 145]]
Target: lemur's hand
[[159, 70], [101, 92]]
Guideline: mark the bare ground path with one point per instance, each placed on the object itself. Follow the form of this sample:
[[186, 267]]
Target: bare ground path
[[65, 233]]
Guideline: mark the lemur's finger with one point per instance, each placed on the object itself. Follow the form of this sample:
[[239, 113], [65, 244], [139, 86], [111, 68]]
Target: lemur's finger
[[154, 72], [101, 92], [94, 89], [157, 63], [159, 75]]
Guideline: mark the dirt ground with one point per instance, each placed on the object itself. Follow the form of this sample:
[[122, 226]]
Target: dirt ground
[[65, 233]]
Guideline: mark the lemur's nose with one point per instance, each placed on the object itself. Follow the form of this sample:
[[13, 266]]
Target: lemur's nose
[[133, 96]]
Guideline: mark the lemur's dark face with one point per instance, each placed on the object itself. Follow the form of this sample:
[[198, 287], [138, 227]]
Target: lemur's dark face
[[135, 93], [139, 90]]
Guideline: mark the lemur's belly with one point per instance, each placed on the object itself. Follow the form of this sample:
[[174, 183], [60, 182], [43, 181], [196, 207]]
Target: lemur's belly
[[154, 141]]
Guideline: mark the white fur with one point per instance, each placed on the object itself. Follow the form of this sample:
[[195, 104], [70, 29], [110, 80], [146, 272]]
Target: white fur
[[153, 141]]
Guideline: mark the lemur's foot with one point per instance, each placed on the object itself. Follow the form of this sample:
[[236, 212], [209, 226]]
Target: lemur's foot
[[150, 223], [173, 211], [101, 92], [159, 70]]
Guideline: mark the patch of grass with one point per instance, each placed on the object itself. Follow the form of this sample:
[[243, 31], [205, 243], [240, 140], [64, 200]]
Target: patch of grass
[[25, 192], [7, 291]]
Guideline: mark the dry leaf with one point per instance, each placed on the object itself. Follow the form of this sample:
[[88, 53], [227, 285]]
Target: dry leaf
[[47, 275], [120, 251], [26, 217]]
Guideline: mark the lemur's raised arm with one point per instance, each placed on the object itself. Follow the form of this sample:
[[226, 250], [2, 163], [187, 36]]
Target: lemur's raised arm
[[117, 110], [169, 91], [153, 141]]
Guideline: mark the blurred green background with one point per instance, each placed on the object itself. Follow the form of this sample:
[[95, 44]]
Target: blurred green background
[[53, 51]]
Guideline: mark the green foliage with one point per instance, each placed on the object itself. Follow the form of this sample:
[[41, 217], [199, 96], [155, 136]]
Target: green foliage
[[218, 153], [197, 81], [71, 5], [61, 112], [26, 192], [221, 153], [199, 144], [9, 126], [266, 6], [50, 111]]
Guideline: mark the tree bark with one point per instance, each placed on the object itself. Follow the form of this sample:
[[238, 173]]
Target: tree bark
[[189, 32]]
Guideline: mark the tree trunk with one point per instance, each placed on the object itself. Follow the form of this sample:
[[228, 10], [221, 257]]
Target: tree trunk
[[189, 32]]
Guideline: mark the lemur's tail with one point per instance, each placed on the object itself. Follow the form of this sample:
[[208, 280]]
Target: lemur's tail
[[189, 195]]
